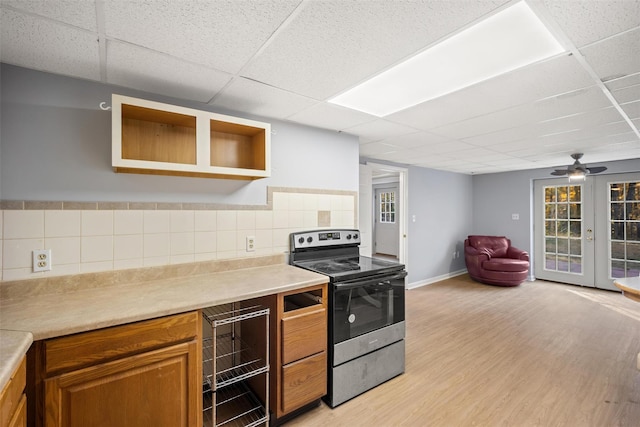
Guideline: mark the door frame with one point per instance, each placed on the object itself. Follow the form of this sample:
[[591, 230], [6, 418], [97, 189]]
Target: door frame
[[403, 178]]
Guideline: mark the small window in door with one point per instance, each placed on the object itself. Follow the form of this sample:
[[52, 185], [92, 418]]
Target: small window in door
[[388, 207]]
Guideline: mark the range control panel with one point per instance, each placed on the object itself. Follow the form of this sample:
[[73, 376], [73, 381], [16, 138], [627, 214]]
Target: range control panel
[[320, 238]]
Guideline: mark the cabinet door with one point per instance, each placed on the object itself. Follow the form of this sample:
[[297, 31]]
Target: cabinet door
[[19, 418], [304, 381], [158, 388]]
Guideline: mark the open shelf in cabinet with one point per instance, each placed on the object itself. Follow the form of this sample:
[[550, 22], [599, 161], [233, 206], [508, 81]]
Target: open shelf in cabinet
[[237, 146], [161, 139], [234, 365]]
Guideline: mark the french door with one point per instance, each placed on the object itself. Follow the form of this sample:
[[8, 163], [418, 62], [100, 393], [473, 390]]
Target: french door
[[587, 233]]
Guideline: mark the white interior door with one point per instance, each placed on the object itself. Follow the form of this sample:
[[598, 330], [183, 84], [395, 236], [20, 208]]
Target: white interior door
[[564, 224], [587, 233], [387, 220]]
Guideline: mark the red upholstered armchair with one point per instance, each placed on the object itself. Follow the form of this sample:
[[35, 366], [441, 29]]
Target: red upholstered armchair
[[492, 260]]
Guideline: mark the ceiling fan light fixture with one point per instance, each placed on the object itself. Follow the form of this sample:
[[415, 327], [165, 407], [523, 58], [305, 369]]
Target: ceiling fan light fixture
[[577, 175], [510, 39]]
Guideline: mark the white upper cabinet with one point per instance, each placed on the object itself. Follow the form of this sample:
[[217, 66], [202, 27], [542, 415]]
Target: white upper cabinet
[[154, 138]]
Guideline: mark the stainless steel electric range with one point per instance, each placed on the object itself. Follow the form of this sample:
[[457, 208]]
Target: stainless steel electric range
[[366, 311]]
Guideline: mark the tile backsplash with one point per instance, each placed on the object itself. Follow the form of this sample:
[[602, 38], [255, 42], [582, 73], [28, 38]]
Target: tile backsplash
[[86, 237]]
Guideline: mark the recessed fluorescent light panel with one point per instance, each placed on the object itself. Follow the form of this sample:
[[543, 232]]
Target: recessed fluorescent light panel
[[510, 39]]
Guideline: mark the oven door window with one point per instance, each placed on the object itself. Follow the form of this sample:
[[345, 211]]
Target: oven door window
[[359, 309]]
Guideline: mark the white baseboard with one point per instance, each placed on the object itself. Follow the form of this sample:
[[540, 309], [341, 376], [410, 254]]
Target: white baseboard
[[435, 279]]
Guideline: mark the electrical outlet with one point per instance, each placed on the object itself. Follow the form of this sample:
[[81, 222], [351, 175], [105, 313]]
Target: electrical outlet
[[251, 243], [41, 260]]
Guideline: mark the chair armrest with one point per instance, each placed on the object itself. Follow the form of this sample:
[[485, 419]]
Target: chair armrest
[[516, 253], [473, 259]]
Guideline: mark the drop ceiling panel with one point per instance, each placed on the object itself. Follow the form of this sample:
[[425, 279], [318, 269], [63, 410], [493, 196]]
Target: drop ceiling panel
[[615, 57], [632, 109], [589, 21], [378, 130], [627, 94], [218, 34], [132, 66], [255, 98], [80, 14], [332, 45], [330, 116], [376, 148], [620, 83], [417, 139], [45, 45], [510, 90]]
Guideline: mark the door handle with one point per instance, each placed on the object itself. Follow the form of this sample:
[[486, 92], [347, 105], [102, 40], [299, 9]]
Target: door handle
[[589, 235]]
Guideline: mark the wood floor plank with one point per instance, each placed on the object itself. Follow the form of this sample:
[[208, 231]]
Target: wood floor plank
[[540, 354]]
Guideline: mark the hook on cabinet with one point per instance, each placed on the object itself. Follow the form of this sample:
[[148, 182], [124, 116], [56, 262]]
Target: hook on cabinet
[[104, 106]]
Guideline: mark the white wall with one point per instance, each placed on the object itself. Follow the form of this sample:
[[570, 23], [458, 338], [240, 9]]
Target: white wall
[[56, 145]]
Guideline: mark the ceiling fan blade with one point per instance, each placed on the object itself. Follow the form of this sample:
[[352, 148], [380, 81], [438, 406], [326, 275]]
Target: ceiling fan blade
[[559, 172], [597, 169]]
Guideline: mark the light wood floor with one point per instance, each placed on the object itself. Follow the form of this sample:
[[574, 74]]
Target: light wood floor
[[540, 354]]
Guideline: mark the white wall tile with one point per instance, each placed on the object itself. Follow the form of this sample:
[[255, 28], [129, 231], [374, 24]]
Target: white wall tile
[[227, 255], [280, 219], [156, 222], [128, 222], [156, 261], [310, 202], [324, 202], [128, 247], [207, 256], [64, 250], [281, 238], [181, 244], [264, 220], [123, 264], [226, 241], [181, 221], [156, 245], [264, 239], [348, 203], [95, 249], [17, 253], [18, 274], [310, 219], [280, 201], [205, 220], [336, 202], [296, 219], [62, 223], [246, 220], [296, 201], [61, 269], [205, 242], [97, 223], [23, 224], [94, 267], [227, 220], [181, 259]]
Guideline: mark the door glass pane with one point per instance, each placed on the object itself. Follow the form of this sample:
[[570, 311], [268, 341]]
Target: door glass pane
[[563, 219], [387, 207], [624, 240]]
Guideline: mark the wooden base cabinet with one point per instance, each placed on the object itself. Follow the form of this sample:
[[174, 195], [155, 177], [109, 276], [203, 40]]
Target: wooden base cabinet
[[137, 375], [13, 401], [298, 357]]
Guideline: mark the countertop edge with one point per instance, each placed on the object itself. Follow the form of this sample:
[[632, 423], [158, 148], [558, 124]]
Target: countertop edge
[[14, 347]]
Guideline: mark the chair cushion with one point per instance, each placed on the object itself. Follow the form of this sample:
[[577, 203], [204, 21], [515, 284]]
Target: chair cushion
[[505, 264], [494, 246]]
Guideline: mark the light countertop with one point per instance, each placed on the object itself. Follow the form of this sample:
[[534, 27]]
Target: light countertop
[[630, 287], [47, 315]]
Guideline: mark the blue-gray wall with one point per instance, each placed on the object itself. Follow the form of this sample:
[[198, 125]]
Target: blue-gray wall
[[497, 196], [56, 145]]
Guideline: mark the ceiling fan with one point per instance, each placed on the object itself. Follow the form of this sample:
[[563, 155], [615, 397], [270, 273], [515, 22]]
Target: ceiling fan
[[578, 170]]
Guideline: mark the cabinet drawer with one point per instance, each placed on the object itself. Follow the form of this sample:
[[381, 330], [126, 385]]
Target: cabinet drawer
[[89, 348], [304, 381], [303, 335], [12, 395]]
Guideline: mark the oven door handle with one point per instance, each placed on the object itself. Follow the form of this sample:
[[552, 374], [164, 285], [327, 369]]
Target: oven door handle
[[358, 283]]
